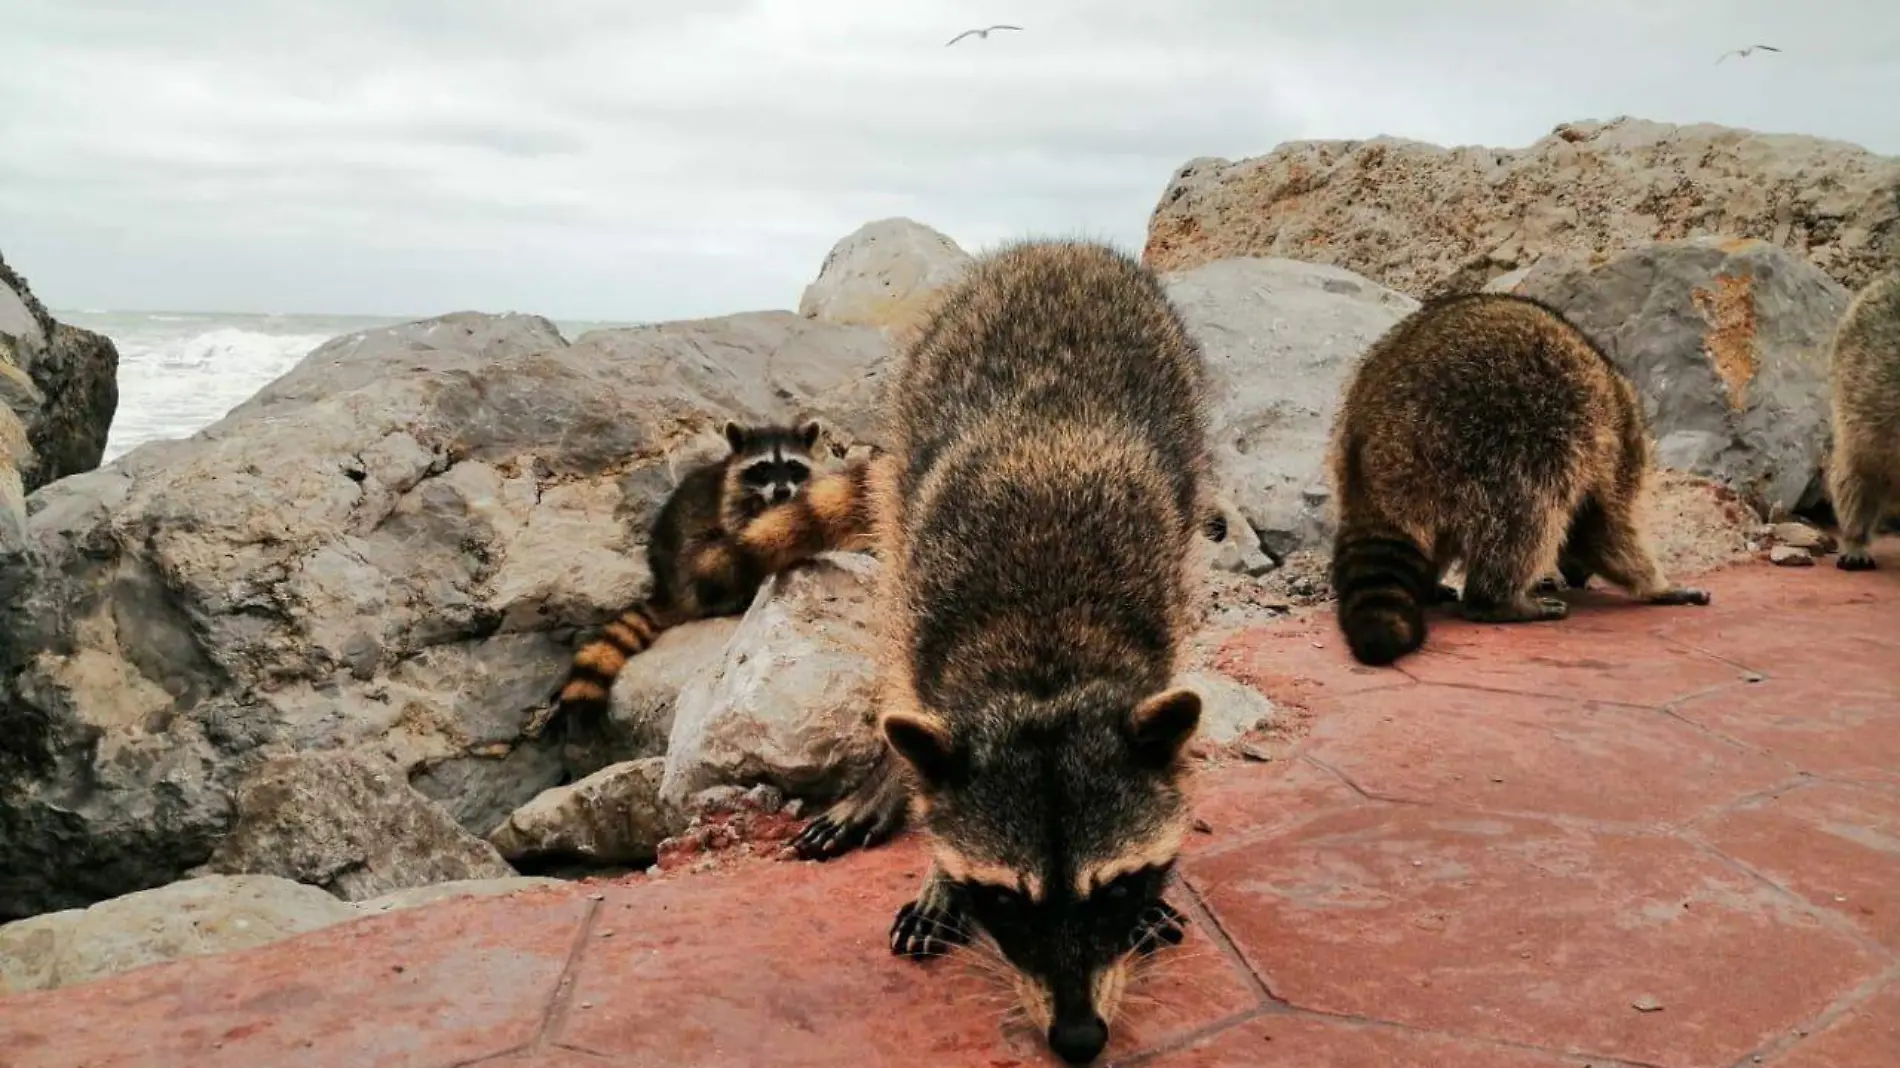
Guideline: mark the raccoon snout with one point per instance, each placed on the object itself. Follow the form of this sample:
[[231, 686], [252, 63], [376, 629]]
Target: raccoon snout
[[1078, 1040]]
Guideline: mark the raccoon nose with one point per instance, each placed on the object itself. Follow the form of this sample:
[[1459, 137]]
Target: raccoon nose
[[777, 492], [1080, 1040]]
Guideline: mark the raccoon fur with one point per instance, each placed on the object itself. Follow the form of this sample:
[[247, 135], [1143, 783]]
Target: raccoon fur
[[1864, 470], [728, 524], [1035, 517], [1485, 428]]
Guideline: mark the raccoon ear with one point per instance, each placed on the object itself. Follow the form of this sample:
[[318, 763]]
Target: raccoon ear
[[1161, 725], [808, 432], [924, 744], [735, 436]]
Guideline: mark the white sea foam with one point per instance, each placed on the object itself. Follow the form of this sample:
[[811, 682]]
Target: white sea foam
[[182, 371]]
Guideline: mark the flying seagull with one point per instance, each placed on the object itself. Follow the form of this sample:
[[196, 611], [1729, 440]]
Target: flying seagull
[[1744, 52], [985, 32]]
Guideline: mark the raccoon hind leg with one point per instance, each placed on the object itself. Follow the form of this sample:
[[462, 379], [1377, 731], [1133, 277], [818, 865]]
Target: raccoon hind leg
[[1859, 499], [1505, 556], [865, 818], [1604, 538]]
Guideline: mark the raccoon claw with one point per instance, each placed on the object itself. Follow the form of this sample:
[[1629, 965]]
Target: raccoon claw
[[1680, 595], [919, 933], [1160, 924], [823, 838], [1855, 561], [833, 834]]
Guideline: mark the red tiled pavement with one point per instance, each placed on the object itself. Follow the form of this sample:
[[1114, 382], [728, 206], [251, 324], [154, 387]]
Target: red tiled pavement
[[1662, 837]]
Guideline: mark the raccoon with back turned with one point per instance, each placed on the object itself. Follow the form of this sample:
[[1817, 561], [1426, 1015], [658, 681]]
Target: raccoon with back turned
[[728, 524], [1035, 517], [1864, 470], [1487, 429]]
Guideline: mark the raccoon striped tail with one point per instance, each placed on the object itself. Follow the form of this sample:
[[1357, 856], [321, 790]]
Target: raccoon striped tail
[[1383, 582], [598, 663]]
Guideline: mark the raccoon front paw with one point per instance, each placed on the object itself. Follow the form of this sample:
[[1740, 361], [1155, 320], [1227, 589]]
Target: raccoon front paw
[[1680, 595], [920, 932], [844, 827], [1855, 560], [1160, 924]]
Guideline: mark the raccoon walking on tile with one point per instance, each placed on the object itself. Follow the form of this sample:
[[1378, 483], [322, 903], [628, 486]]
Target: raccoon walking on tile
[[1046, 480], [725, 527], [1864, 470], [1487, 429]]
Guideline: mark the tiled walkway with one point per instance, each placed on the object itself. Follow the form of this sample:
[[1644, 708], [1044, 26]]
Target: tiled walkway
[[1642, 836]]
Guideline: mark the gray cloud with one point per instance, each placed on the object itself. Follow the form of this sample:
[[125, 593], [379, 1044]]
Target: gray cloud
[[628, 159]]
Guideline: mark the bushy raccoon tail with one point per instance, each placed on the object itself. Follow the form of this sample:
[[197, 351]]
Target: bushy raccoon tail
[[1383, 581], [598, 663]]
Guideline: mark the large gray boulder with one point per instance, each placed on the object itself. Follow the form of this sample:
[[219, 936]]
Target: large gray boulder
[[1727, 340], [1280, 337], [59, 381], [1428, 220], [885, 274], [388, 548]]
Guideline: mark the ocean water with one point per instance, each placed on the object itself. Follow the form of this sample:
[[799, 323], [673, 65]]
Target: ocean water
[[182, 371]]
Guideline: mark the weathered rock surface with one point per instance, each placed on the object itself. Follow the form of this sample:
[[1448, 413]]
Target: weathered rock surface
[[351, 824], [1280, 337], [1426, 220], [64, 393], [1727, 339], [194, 918], [885, 274], [385, 549], [613, 816], [1228, 708], [791, 702]]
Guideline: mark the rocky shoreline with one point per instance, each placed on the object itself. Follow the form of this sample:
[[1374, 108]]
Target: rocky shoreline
[[300, 661]]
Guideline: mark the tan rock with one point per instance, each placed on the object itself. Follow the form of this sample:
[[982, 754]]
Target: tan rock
[[790, 702], [1789, 556], [613, 816], [194, 918], [885, 274], [1425, 220]]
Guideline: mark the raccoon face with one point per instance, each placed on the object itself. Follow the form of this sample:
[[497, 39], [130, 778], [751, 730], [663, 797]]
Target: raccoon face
[[769, 465], [1058, 829]]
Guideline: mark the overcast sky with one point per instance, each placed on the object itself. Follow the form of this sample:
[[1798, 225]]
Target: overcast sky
[[621, 159]]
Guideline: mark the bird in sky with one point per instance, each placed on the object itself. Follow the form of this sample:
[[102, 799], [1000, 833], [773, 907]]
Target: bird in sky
[[984, 32], [1744, 52]]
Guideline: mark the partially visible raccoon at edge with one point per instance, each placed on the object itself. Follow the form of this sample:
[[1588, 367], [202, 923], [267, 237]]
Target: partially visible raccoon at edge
[[1036, 521], [728, 525], [1864, 471], [1485, 428]]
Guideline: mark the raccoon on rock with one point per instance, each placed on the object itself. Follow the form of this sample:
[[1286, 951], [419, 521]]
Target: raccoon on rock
[[725, 527], [1485, 429]]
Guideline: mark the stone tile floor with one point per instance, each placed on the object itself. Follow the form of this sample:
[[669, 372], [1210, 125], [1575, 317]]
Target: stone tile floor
[[1660, 837]]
